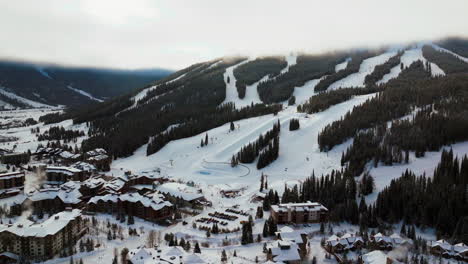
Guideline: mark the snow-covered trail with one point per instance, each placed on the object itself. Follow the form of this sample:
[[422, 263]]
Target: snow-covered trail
[[85, 94], [408, 57], [291, 59], [251, 92], [188, 157], [438, 48], [367, 67], [230, 80], [303, 93], [343, 65], [22, 99]]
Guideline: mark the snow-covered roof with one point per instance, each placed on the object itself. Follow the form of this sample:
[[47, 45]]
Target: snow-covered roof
[[83, 166], [93, 182], [66, 155], [285, 251], [95, 152], [308, 206], [99, 157], [154, 201], [394, 239], [49, 227], [11, 175], [180, 190], [66, 170], [69, 193], [348, 240]]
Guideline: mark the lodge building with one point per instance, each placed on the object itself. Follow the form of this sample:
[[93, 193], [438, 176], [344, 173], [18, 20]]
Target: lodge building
[[11, 183], [64, 174], [45, 240], [299, 213], [149, 207]]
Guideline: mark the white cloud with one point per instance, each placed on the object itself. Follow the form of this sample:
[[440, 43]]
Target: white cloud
[[174, 34]]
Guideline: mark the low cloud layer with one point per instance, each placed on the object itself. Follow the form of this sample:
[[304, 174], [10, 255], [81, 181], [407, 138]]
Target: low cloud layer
[[175, 34]]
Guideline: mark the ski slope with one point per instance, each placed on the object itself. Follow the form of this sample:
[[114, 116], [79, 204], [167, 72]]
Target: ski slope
[[303, 93], [299, 153], [231, 90], [408, 57], [366, 68], [23, 100], [85, 94], [438, 48], [343, 65], [291, 59]]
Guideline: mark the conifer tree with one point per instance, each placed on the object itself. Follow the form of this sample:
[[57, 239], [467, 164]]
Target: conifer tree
[[197, 249]]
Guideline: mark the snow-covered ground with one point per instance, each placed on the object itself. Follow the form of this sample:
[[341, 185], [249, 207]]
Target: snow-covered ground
[[342, 66], [450, 52], [306, 91], [291, 59], [367, 67], [231, 90], [28, 141], [90, 96], [299, 153], [383, 175], [251, 92], [408, 57], [22, 99]]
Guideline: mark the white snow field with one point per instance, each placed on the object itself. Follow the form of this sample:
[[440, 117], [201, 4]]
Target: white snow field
[[291, 59], [299, 153], [343, 65], [303, 93], [367, 67], [27, 141], [251, 92], [23, 100], [383, 175], [408, 57], [85, 94]]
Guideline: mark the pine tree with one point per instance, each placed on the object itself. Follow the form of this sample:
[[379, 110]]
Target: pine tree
[[197, 249], [403, 230], [259, 212], [273, 227], [206, 139], [261, 182], [223, 256], [266, 230]]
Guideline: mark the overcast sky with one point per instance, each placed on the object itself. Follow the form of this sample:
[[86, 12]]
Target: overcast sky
[[174, 34]]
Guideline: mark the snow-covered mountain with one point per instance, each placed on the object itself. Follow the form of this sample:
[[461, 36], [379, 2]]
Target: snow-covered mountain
[[362, 114], [34, 85]]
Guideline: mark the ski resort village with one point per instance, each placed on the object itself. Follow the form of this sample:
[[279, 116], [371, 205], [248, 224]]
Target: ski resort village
[[349, 157]]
